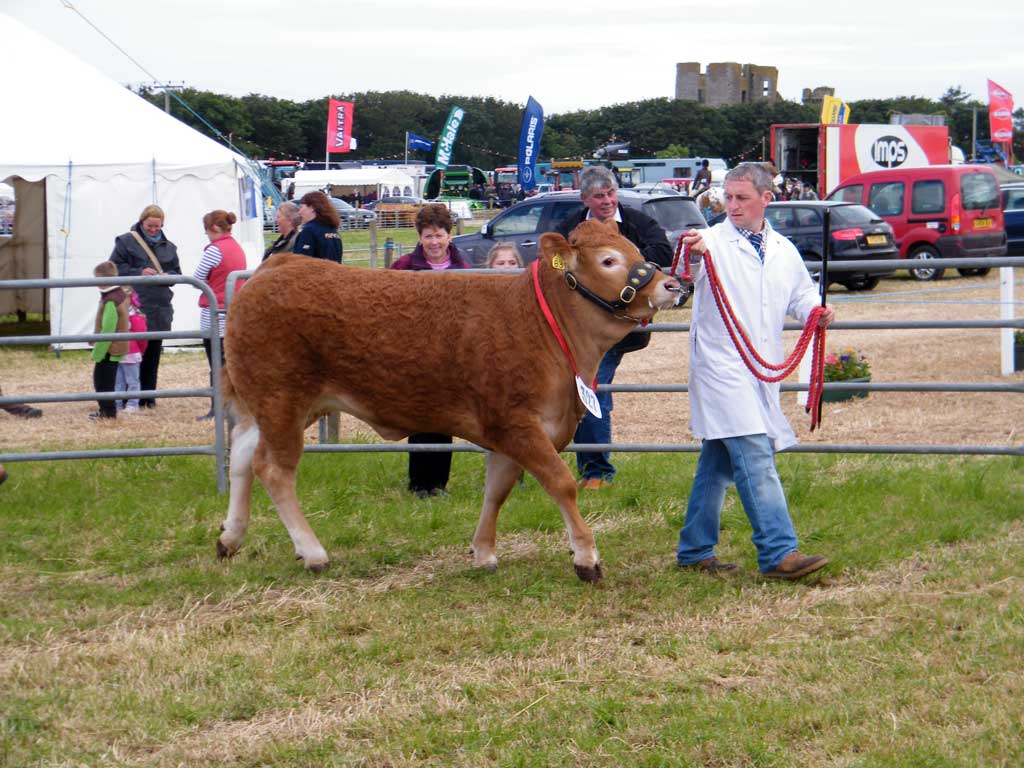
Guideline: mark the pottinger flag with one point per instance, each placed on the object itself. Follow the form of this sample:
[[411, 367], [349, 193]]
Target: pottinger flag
[[1000, 113], [339, 126], [529, 143]]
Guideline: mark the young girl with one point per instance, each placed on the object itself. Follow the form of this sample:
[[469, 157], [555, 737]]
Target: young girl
[[504, 255], [128, 368]]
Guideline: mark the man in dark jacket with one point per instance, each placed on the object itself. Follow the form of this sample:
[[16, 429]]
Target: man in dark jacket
[[599, 193]]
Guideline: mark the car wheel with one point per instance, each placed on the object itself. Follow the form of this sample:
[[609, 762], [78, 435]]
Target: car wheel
[[861, 283], [974, 272], [925, 273]]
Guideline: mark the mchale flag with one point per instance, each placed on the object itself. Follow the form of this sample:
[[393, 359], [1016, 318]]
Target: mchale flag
[[446, 143], [529, 143], [1000, 113], [339, 126], [412, 141]]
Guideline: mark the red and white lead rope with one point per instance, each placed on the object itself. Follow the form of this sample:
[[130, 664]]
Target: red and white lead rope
[[812, 334]]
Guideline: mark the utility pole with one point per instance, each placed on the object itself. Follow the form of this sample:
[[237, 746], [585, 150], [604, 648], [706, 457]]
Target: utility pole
[[167, 88], [974, 133]]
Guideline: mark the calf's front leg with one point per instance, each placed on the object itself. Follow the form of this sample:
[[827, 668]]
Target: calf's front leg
[[538, 456]]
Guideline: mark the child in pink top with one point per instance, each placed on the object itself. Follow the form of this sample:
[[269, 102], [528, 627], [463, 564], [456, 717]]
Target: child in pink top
[[128, 368]]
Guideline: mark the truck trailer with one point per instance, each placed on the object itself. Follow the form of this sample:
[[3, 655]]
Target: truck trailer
[[825, 155]]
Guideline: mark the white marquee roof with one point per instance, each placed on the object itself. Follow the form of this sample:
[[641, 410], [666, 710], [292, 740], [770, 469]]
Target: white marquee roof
[[63, 109]]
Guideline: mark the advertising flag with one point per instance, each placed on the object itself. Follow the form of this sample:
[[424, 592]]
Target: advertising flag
[[1000, 113], [418, 142], [834, 111], [339, 126], [447, 140], [529, 143]]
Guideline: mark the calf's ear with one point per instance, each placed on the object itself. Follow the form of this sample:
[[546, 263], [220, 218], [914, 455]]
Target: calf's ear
[[557, 252]]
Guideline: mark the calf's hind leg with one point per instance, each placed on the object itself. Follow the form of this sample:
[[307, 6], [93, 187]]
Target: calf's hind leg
[[244, 438], [275, 462], [502, 473]]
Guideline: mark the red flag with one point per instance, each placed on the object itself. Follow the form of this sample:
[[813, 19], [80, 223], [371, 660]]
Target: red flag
[[339, 126], [1000, 113]]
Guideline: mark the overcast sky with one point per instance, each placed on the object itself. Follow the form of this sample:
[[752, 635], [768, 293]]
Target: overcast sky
[[568, 54]]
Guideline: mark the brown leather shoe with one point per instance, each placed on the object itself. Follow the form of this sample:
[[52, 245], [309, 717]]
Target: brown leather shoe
[[592, 484], [796, 565], [713, 566]]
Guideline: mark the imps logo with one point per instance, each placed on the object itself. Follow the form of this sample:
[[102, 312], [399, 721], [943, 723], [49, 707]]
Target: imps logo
[[889, 151]]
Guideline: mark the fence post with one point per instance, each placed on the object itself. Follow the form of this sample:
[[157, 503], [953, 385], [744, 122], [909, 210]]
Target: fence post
[[389, 252], [372, 232]]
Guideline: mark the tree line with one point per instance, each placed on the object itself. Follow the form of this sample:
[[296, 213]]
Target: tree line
[[266, 127]]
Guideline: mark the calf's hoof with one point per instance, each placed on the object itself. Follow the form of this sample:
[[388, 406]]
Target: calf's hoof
[[224, 551], [591, 575], [314, 563], [484, 562]]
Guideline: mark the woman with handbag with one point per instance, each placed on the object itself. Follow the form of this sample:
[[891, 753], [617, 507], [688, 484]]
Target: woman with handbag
[[145, 250]]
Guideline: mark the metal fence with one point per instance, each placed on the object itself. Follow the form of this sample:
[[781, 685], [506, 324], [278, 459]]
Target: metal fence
[[218, 448]]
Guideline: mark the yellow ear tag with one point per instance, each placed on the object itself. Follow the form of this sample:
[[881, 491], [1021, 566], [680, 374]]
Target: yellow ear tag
[[556, 261]]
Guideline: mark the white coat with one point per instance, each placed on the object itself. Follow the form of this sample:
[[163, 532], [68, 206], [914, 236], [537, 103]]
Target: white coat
[[726, 400]]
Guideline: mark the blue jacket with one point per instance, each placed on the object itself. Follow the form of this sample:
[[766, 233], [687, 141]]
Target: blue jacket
[[319, 241]]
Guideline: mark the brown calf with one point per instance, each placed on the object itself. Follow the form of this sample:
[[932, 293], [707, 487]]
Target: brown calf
[[458, 354]]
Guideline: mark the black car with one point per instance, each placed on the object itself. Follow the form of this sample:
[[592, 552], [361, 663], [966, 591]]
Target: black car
[[858, 233], [350, 216], [1013, 218], [524, 222]]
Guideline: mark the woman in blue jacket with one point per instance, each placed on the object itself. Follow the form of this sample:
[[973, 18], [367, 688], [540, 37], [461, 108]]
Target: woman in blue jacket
[[319, 236]]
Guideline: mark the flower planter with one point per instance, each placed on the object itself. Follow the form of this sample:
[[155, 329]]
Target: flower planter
[[1018, 357], [833, 396]]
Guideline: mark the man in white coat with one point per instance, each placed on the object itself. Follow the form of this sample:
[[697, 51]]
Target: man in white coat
[[737, 416]]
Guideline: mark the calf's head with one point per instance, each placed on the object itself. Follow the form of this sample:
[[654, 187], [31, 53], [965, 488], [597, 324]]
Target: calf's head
[[606, 268]]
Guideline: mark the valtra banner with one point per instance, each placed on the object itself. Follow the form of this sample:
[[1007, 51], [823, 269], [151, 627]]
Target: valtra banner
[[1000, 113], [339, 126]]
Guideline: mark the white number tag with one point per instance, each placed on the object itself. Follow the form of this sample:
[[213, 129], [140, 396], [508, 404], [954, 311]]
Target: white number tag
[[588, 397]]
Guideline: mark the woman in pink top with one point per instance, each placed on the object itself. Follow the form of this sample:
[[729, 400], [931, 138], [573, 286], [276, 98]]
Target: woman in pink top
[[428, 472]]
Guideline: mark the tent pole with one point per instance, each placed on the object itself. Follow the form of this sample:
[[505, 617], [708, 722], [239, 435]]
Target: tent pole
[[65, 229]]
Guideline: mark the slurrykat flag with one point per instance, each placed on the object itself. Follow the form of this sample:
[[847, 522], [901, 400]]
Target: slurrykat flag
[[447, 140], [339, 126], [1000, 113], [529, 143]]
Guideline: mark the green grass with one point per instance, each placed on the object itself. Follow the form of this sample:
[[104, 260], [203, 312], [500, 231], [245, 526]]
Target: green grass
[[123, 641]]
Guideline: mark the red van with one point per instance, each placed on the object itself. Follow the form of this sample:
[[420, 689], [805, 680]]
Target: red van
[[938, 211]]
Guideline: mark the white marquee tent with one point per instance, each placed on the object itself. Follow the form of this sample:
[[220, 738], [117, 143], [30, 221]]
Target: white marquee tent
[[85, 156]]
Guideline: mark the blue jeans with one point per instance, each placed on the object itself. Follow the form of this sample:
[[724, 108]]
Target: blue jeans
[[127, 381], [749, 462], [595, 430]]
